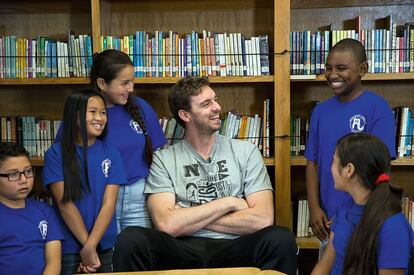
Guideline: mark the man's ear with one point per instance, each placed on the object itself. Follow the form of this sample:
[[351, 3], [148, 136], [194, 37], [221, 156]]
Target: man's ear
[[363, 69], [101, 84], [184, 115]]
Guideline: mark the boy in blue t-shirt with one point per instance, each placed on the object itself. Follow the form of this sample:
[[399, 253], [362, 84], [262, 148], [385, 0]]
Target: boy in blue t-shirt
[[352, 109], [30, 233]]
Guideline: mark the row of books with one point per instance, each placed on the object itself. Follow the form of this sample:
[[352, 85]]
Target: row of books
[[44, 57], [299, 127], [407, 209], [302, 221], [169, 54], [35, 134], [173, 131], [404, 135], [388, 50], [251, 128]]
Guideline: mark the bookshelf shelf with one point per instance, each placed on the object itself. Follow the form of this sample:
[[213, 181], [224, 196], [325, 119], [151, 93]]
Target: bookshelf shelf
[[44, 81], [367, 77], [297, 161], [406, 161], [42, 7], [137, 80], [38, 161], [185, 5], [313, 4], [308, 242], [213, 79], [269, 161]]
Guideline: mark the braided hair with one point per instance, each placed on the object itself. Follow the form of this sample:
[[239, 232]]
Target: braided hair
[[107, 65]]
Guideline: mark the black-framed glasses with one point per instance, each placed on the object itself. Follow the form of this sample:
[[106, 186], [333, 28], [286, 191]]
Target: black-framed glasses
[[16, 175]]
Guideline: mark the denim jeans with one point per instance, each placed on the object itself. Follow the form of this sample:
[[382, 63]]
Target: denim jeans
[[131, 206], [70, 262]]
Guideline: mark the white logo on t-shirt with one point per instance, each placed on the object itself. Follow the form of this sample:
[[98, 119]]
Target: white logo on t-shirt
[[357, 123], [43, 229], [106, 165], [135, 126]]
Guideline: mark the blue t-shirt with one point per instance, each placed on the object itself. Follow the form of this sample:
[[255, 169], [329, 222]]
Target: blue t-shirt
[[104, 167], [126, 135], [334, 119], [24, 233], [395, 238]]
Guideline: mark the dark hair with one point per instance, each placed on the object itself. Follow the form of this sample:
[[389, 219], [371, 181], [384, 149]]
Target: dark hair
[[371, 158], [107, 65], [76, 173], [353, 46], [11, 149], [180, 93]]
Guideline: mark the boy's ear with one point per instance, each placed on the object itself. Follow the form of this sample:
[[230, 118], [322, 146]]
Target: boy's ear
[[363, 69]]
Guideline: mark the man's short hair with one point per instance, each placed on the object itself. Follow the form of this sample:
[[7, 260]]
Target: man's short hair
[[353, 46], [180, 93]]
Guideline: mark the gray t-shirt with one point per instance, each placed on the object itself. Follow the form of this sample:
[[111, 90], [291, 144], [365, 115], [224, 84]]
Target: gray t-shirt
[[234, 168]]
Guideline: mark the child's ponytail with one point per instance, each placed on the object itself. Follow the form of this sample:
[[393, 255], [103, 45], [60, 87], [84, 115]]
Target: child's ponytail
[[372, 161]]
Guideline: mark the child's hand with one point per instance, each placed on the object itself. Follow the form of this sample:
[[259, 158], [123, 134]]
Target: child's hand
[[85, 269], [89, 258], [319, 223]]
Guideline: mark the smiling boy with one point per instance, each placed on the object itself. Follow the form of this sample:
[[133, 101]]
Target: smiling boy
[[30, 233], [351, 109]]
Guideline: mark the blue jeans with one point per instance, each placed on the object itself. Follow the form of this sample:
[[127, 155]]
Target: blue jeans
[[131, 206], [70, 262]]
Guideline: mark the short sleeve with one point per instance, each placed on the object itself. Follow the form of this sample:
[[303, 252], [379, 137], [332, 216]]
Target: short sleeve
[[256, 177], [117, 173], [384, 126], [53, 166], [54, 230], [153, 126], [159, 180]]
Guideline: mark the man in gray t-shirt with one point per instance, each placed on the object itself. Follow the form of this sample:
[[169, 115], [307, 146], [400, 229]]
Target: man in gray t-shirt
[[210, 199]]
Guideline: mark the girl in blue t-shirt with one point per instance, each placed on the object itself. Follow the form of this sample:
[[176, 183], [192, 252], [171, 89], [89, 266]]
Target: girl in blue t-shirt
[[369, 234], [83, 174], [133, 128]]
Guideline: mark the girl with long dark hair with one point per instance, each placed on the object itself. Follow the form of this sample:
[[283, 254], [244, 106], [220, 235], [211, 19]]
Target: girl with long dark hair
[[369, 234], [133, 128], [83, 174]]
